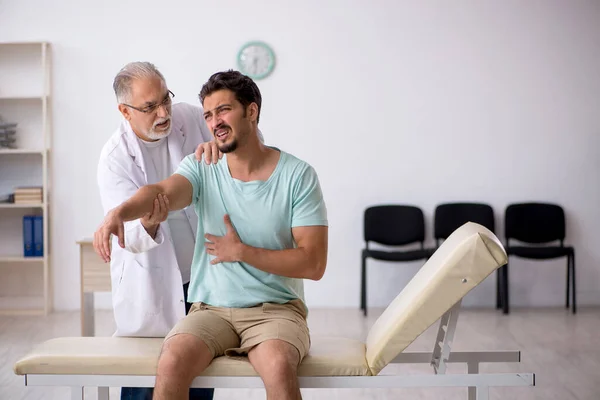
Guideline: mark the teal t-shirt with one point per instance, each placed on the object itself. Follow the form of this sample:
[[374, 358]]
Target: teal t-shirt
[[263, 213]]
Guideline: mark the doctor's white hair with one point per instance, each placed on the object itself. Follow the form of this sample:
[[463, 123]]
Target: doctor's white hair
[[130, 72]]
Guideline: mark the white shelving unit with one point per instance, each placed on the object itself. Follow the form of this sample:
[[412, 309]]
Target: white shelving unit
[[25, 89]]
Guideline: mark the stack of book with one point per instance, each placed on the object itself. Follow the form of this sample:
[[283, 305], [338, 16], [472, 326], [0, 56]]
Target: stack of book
[[33, 236], [28, 195]]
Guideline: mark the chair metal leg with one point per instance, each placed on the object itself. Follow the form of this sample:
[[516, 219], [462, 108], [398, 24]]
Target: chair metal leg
[[103, 393], [573, 282], [506, 297], [568, 281], [363, 286], [499, 288]]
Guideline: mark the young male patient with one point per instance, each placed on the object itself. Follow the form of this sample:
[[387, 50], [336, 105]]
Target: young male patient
[[264, 221]]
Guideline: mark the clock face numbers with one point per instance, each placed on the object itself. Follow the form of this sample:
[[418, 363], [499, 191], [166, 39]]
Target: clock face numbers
[[256, 60]]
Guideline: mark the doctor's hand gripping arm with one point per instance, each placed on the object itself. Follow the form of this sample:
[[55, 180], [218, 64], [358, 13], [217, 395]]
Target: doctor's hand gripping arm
[[116, 186], [160, 213], [178, 193]]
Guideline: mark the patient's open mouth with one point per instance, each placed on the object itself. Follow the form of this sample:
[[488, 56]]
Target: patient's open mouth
[[222, 133]]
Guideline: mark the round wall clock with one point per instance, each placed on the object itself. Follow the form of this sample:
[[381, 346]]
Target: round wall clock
[[256, 59]]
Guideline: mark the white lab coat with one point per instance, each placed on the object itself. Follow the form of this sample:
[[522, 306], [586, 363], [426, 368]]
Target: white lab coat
[[147, 288]]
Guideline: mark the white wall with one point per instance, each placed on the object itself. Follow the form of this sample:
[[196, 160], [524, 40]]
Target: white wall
[[374, 95]]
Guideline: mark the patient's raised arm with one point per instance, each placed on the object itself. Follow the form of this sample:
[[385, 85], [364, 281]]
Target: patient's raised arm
[[176, 188]]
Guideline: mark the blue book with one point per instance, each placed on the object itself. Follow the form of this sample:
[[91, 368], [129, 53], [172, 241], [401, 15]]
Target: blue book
[[28, 236], [38, 236]]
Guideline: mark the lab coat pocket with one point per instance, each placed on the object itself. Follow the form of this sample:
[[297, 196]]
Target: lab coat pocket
[[142, 288]]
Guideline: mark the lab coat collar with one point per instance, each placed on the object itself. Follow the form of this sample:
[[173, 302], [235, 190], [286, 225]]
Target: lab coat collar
[[176, 141], [133, 148]]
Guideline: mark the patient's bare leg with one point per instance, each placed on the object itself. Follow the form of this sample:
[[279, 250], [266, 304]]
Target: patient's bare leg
[[183, 357], [277, 362]]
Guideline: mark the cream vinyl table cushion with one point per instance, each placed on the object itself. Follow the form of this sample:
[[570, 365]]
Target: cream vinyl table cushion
[[328, 356], [462, 262]]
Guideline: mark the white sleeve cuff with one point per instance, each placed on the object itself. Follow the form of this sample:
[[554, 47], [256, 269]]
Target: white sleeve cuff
[[137, 239]]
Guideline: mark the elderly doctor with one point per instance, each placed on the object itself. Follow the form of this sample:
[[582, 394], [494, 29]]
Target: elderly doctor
[[150, 275]]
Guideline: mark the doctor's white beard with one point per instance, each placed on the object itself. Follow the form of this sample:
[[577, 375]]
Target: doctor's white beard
[[152, 134]]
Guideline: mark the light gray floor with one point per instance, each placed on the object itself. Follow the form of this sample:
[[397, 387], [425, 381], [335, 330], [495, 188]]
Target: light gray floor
[[561, 349]]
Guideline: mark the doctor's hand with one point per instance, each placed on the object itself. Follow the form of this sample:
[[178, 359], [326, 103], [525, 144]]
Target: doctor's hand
[[112, 225], [159, 213], [226, 248], [211, 152]]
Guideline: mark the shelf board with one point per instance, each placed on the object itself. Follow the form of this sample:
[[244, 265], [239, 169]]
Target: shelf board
[[12, 205], [22, 43], [21, 151], [21, 97], [19, 305], [20, 259]]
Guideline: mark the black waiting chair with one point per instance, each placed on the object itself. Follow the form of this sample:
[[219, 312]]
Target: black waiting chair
[[450, 216], [392, 225], [537, 225]]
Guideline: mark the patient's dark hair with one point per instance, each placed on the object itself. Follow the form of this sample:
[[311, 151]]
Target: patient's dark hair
[[246, 91]]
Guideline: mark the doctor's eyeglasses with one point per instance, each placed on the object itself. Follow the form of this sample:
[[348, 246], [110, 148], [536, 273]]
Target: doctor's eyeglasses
[[153, 107]]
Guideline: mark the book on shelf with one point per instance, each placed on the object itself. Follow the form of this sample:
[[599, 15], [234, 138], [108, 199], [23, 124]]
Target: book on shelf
[[28, 236], [28, 190], [38, 236], [28, 195], [33, 236], [28, 199]]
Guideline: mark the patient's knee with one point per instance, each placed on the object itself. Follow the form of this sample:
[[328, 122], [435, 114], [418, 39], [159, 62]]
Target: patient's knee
[[284, 361], [275, 359], [183, 355]]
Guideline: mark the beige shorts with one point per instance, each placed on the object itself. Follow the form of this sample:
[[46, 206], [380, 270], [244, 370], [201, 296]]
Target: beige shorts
[[235, 331]]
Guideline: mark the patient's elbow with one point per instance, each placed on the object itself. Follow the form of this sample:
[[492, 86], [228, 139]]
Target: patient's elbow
[[318, 270]]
